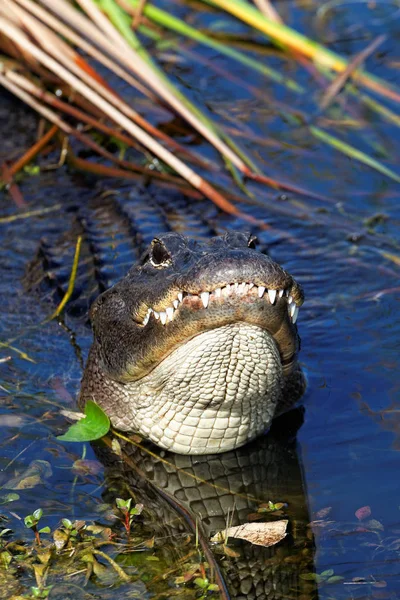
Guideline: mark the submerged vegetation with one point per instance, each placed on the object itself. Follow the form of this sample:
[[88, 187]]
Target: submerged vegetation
[[66, 558]]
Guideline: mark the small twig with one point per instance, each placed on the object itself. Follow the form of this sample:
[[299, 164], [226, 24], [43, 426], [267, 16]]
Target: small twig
[[340, 81], [137, 172], [33, 151], [20, 353], [13, 188], [114, 565], [31, 213], [63, 156]]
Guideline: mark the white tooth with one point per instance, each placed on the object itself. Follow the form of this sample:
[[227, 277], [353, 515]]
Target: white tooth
[[241, 288], [251, 285], [235, 286], [180, 296], [290, 299], [163, 317], [156, 314], [226, 290], [292, 308], [261, 290], [170, 312], [295, 314], [218, 292], [146, 319], [272, 295], [280, 294], [175, 303], [205, 296]]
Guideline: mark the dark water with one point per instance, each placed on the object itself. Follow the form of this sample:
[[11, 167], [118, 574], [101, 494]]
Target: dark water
[[347, 453]]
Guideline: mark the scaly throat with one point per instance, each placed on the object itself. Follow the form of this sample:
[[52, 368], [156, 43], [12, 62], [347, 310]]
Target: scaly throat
[[215, 392]]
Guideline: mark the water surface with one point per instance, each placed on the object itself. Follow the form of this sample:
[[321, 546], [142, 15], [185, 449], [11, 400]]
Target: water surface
[[350, 326]]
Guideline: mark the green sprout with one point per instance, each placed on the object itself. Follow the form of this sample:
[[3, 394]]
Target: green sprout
[[31, 522], [128, 513]]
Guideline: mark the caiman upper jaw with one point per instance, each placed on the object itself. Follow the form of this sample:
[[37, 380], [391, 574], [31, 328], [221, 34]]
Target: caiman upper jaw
[[166, 312]]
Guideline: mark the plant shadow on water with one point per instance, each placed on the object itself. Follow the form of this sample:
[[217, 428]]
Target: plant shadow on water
[[339, 480]]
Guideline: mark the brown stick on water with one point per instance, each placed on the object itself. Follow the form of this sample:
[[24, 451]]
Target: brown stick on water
[[33, 151], [340, 81], [180, 167], [80, 115]]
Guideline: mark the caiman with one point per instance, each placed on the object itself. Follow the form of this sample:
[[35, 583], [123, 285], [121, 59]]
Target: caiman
[[196, 347]]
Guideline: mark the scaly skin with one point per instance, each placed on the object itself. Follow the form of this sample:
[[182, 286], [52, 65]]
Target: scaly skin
[[196, 348]]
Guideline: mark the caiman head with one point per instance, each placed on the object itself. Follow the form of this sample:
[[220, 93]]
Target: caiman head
[[196, 348]]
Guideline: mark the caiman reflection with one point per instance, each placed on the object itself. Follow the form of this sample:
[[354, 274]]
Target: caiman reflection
[[181, 493]]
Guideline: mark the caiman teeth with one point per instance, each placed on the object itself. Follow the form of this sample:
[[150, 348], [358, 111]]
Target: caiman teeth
[[205, 297], [295, 314], [170, 312], [147, 317], [243, 288]]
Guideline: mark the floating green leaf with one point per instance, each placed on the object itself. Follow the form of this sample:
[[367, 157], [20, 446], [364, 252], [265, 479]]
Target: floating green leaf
[[335, 579], [92, 427]]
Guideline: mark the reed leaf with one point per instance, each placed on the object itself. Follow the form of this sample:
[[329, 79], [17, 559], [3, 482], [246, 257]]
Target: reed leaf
[[352, 152], [161, 17], [295, 41]]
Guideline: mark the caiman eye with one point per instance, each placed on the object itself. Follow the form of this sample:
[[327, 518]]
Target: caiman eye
[[159, 255], [252, 242]]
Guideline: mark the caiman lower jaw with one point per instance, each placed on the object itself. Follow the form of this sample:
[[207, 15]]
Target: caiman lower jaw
[[166, 314], [274, 311]]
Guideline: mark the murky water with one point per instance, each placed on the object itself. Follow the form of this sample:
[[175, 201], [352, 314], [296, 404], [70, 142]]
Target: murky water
[[346, 458]]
